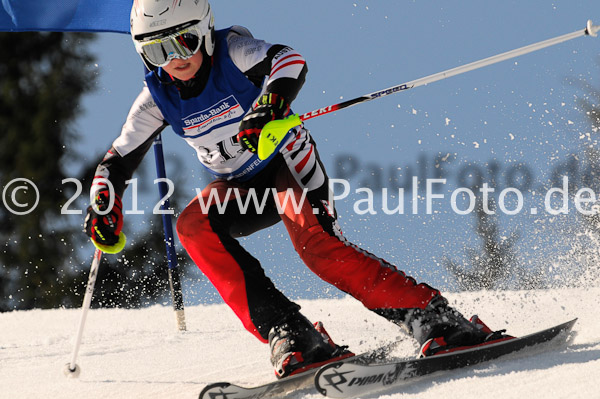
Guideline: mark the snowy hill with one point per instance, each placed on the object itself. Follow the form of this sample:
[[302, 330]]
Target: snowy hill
[[139, 353]]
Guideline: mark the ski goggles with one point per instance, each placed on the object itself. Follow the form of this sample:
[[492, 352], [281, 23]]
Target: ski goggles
[[181, 44]]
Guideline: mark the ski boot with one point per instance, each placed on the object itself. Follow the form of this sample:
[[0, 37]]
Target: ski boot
[[297, 346], [441, 329]]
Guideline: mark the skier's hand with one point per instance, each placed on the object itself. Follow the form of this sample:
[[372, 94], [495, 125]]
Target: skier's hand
[[104, 225], [269, 107]]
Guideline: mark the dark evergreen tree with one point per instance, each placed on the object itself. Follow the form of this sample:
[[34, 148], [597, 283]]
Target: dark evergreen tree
[[495, 265], [44, 259], [42, 79]]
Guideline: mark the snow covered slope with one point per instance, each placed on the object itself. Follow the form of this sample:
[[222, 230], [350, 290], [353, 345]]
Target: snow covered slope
[[139, 353]]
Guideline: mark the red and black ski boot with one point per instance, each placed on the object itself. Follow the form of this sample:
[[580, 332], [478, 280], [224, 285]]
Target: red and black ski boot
[[446, 344], [297, 346]]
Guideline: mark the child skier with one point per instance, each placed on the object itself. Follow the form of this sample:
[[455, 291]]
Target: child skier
[[217, 89]]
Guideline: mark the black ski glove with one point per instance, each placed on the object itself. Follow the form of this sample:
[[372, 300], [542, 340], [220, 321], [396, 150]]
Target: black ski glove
[[104, 229], [269, 107]]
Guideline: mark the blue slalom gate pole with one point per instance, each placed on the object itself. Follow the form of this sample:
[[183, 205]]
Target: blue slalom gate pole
[[174, 280]]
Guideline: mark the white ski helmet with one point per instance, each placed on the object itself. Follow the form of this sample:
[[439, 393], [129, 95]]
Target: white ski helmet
[[154, 20]]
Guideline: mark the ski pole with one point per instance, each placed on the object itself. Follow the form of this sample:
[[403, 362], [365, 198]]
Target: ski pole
[[174, 280], [590, 30], [276, 131], [72, 369]]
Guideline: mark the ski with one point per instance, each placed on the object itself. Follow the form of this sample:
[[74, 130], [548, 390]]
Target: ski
[[350, 379], [293, 384]]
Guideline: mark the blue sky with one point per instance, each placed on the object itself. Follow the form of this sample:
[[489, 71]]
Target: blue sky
[[519, 112]]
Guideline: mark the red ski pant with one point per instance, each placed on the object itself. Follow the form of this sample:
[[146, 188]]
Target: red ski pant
[[210, 224]]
